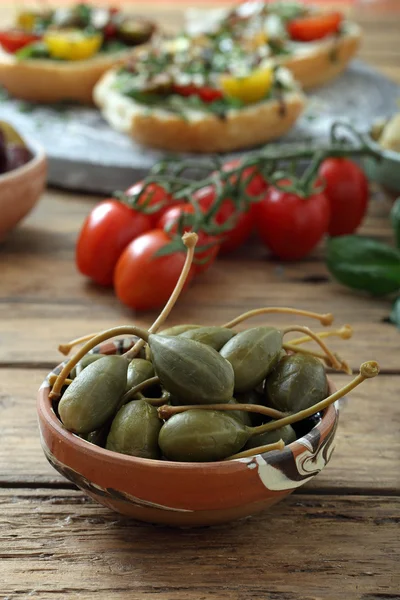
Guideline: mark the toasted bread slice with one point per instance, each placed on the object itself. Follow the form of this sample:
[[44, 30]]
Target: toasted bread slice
[[50, 81], [316, 63], [197, 131]]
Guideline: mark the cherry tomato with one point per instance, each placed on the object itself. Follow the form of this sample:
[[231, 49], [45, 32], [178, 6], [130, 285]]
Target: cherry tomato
[[13, 39], [292, 226], [107, 230], [347, 192], [154, 194], [110, 31], [257, 183], [243, 226], [204, 258], [143, 281], [207, 94], [314, 27]]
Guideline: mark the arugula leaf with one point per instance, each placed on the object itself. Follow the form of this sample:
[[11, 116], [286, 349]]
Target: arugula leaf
[[395, 220], [34, 50], [394, 316], [287, 11], [364, 264], [84, 13]]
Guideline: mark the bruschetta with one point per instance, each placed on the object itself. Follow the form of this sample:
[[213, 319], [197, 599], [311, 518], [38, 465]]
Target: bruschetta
[[59, 55], [197, 98], [316, 45]]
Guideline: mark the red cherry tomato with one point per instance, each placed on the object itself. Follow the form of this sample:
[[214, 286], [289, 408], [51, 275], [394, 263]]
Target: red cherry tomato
[[13, 39], [347, 192], [257, 183], [292, 226], [143, 281], [107, 230], [154, 194], [243, 222], [207, 94], [110, 31], [314, 27], [203, 258]]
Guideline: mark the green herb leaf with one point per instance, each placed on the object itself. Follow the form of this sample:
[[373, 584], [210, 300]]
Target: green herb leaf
[[287, 11], [395, 220], [34, 50], [394, 316], [364, 264]]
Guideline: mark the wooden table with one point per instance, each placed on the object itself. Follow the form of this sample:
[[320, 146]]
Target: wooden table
[[337, 537]]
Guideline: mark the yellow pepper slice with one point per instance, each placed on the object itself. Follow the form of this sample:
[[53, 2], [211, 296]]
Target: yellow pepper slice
[[249, 89], [71, 44], [26, 20]]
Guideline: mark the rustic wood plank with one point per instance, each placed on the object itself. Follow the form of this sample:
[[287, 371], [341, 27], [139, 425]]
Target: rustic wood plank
[[366, 456], [30, 336], [304, 548], [44, 298]]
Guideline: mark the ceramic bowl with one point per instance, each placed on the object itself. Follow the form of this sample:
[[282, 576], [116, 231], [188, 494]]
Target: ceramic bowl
[[386, 170], [178, 493], [21, 188]]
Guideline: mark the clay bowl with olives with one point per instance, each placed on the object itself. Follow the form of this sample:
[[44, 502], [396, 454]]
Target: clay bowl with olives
[[194, 425], [186, 493], [23, 171]]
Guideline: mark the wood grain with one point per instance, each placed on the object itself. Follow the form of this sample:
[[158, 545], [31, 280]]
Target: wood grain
[[44, 300], [305, 548], [366, 459]]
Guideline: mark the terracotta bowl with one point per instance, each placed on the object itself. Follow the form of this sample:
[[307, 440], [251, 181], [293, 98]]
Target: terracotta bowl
[[21, 188], [177, 493]]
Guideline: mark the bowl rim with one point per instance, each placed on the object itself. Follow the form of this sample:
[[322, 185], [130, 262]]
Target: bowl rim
[[45, 410], [39, 156], [383, 152]]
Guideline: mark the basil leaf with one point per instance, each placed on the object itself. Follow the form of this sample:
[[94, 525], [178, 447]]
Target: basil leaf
[[395, 220], [364, 264]]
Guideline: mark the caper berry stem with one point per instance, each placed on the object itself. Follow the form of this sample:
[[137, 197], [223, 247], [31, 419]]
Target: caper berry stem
[[158, 401], [190, 240], [97, 339], [367, 370], [324, 319], [344, 332], [279, 445], [166, 411], [53, 378], [66, 348], [344, 366], [332, 358], [130, 394]]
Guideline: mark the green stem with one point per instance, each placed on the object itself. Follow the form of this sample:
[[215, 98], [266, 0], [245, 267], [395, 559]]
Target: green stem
[[166, 412], [97, 339], [367, 371], [138, 388], [279, 445]]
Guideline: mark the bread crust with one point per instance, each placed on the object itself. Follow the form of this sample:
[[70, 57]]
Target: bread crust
[[202, 132], [50, 81], [320, 66]]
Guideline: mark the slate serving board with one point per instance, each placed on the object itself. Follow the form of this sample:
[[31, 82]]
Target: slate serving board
[[86, 154]]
